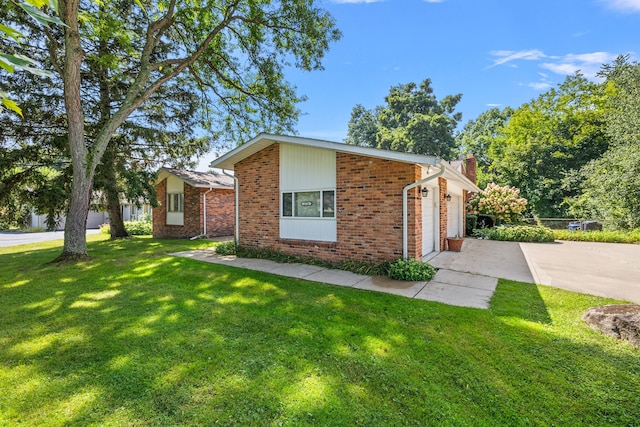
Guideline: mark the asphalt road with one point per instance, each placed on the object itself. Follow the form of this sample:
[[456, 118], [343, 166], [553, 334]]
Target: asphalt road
[[17, 238]]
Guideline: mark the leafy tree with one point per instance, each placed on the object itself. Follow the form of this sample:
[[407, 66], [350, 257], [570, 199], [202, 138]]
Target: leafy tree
[[413, 120], [363, 127], [478, 135], [623, 100], [234, 51], [11, 62], [35, 158], [548, 140], [611, 186]]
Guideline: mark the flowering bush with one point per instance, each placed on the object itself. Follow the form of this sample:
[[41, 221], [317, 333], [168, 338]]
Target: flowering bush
[[504, 203]]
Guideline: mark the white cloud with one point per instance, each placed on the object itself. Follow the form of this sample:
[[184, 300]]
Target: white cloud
[[505, 56], [587, 63], [623, 5], [494, 105], [539, 85], [564, 69]]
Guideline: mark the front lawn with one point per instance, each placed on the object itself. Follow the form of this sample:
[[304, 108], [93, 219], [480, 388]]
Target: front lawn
[[137, 337]]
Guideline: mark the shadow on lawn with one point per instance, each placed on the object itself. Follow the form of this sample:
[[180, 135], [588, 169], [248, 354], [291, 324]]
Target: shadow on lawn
[[522, 300], [136, 337]]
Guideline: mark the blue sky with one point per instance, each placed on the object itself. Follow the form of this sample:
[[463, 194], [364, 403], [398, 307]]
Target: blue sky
[[497, 53]]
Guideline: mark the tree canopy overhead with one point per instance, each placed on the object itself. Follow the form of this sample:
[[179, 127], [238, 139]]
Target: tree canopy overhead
[[234, 52], [412, 120], [478, 135], [611, 183], [546, 141]]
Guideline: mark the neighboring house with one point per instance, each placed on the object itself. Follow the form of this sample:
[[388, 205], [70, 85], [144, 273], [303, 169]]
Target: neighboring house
[[334, 201], [193, 204], [132, 212], [94, 220]]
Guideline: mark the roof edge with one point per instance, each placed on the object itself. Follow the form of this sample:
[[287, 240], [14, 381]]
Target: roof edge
[[187, 180], [263, 140]]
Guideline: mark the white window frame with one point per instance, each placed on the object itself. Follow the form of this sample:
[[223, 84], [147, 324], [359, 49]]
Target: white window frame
[[171, 203], [322, 215]]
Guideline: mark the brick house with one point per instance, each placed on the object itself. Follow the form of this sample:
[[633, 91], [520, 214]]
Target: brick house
[[186, 198], [333, 201]]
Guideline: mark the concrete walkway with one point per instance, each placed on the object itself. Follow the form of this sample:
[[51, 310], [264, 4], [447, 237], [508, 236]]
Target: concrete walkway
[[449, 287], [604, 269]]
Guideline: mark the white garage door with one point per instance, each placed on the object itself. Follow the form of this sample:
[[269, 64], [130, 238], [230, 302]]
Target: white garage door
[[428, 223]]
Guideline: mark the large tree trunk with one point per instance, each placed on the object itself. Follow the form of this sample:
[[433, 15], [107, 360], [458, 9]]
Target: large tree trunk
[[75, 238], [110, 188], [116, 224], [107, 168]]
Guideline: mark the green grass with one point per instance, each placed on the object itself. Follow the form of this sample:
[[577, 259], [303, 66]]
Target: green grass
[[632, 236], [135, 337]]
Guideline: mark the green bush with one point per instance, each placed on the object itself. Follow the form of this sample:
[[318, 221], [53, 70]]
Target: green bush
[[354, 266], [517, 233], [138, 228], [471, 223], [605, 236], [226, 248], [134, 228], [411, 269]]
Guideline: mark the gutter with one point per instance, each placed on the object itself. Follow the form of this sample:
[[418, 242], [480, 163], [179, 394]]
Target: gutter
[[235, 181], [405, 201], [204, 215]]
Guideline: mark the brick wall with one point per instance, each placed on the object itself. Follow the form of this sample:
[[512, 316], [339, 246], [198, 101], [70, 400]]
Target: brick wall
[[470, 164], [259, 198], [442, 184], [221, 207], [159, 213], [368, 208], [220, 213]]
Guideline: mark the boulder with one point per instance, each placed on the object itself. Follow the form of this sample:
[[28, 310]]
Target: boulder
[[621, 321]]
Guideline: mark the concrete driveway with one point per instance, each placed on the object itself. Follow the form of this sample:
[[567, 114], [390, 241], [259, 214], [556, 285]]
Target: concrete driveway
[[17, 238], [604, 269]]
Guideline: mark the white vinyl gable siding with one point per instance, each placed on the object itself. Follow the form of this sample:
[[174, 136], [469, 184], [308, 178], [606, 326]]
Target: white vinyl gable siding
[[304, 170], [174, 186]]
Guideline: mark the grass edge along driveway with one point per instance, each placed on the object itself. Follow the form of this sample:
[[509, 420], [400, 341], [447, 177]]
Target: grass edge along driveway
[[137, 337]]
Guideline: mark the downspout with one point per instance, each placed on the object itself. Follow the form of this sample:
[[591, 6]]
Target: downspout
[[204, 215], [405, 208], [204, 210], [235, 180]]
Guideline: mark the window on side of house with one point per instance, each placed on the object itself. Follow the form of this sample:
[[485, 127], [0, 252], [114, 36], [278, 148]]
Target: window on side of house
[[175, 202], [309, 204]]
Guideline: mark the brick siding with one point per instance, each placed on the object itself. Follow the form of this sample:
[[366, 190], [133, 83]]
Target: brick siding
[[220, 213], [259, 198], [368, 208]]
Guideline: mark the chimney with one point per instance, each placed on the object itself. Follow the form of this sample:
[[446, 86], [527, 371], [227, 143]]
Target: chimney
[[470, 167]]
